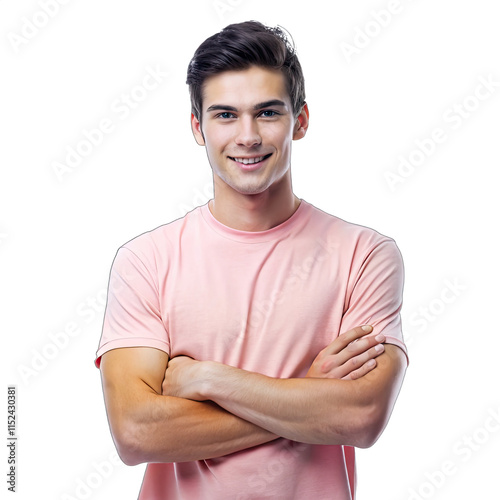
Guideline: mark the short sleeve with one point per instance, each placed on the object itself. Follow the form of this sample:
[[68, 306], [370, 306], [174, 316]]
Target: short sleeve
[[376, 294], [133, 316]]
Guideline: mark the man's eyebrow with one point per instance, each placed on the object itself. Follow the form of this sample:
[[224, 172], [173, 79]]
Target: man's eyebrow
[[267, 104], [221, 107], [260, 105]]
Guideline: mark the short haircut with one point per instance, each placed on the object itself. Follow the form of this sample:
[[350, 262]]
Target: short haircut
[[239, 46]]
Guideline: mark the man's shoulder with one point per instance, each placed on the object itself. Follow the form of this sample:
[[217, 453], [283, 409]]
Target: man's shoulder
[[162, 237], [343, 230], [354, 244]]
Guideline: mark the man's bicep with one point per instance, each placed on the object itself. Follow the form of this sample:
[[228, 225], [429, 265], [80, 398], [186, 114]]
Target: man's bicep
[[381, 386], [128, 375], [391, 366]]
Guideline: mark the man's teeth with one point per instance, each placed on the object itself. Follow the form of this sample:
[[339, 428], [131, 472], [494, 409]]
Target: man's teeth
[[249, 161]]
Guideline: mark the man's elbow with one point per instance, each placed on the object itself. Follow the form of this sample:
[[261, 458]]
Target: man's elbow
[[134, 446], [369, 435], [133, 442], [372, 424], [130, 456], [362, 429], [128, 445]]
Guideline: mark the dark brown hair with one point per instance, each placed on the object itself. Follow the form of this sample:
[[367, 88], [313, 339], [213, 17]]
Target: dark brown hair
[[239, 46]]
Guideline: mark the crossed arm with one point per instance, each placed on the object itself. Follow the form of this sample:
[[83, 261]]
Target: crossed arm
[[196, 410]]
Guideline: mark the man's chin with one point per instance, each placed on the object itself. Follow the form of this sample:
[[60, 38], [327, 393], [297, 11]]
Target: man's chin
[[251, 189], [247, 188]]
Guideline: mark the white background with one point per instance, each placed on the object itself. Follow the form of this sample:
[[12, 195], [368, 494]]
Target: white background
[[64, 73]]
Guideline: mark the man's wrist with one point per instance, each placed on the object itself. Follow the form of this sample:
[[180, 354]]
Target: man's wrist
[[213, 379], [207, 379]]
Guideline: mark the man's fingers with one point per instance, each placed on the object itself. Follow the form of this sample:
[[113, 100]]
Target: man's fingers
[[344, 339], [360, 346], [353, 362], [360, 372], [349, 355]]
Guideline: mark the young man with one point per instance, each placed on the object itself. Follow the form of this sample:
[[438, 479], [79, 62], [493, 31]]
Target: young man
[[249, 346]]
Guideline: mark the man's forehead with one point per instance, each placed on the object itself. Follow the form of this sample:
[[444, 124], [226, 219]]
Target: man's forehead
[[246, 88]]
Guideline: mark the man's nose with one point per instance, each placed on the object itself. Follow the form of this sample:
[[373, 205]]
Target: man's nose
[[248, 132]]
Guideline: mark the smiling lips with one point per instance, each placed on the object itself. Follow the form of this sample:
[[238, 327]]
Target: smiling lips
[[250, 161]]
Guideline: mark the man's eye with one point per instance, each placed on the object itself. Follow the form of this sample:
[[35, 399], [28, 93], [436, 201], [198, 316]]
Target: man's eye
[[225, 114], [269, 113]]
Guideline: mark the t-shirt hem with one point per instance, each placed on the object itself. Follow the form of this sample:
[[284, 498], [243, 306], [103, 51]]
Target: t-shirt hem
[[397, 342], [130, 342]]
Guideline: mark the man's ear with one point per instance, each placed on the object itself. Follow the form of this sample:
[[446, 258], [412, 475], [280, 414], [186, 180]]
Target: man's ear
[[301, 123], [196, 128]]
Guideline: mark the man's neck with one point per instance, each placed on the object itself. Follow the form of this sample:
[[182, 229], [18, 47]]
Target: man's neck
[[257, 212]]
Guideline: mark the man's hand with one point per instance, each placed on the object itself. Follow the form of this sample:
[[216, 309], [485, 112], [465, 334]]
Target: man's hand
[[183, 378], [349, 356]]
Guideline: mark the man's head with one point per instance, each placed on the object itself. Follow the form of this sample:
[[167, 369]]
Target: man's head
[[247, 93], [239, 46]]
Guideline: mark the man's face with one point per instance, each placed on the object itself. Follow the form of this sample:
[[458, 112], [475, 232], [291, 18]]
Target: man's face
[[248, 128]]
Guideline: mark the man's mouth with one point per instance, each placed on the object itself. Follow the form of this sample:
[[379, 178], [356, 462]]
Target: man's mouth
[[250, 161]]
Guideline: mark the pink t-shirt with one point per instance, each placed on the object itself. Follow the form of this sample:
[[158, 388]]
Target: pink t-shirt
[[266, 302]]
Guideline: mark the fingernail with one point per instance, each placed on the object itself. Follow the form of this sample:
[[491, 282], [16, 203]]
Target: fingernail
[[380, 337], [366, 328], [379, 347]]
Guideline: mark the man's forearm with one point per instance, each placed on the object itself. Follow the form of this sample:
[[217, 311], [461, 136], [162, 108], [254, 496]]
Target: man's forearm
[[168, 429], [317, 411], [310, 410], [346, 397]]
